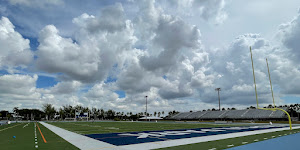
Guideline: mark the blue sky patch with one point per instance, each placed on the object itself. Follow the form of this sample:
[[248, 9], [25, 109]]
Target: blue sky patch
[[45, 82], [121, 94], [290, 99], [33, 43], [165, 77]]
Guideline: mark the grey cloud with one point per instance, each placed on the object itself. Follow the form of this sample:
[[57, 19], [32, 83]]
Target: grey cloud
[[208, 10], [290, 35], [18, 90], [65, 87], [112, 19], [172, 35]]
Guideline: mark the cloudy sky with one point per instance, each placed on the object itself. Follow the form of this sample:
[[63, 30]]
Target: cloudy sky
[[111, 54]]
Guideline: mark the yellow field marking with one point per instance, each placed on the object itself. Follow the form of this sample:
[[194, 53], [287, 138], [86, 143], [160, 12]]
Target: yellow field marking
[[9, 127], [272, 109]]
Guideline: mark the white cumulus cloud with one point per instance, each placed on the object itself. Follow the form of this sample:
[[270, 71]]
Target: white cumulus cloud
[[14, 50]]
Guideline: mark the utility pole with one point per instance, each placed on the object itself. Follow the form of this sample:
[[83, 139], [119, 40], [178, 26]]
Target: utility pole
[[146, 108], [219, 89]]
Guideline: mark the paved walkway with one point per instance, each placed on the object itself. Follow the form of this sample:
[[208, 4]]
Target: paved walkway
[[80, 141], [290, 142]]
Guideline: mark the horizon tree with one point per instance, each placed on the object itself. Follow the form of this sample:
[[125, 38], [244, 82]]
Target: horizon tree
[[49, 110]]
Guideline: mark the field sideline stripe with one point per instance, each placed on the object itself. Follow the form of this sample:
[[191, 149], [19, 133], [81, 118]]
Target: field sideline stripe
[[41, 133], [9, 127]]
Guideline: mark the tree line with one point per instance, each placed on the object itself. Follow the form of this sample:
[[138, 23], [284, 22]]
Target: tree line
[[49, 112]]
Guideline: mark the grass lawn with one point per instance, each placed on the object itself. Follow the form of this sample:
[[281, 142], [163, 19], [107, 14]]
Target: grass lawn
[[223, 144], [25, 138], [118, 127]]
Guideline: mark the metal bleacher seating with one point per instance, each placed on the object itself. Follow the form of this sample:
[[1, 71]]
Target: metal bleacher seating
[[231, 114]]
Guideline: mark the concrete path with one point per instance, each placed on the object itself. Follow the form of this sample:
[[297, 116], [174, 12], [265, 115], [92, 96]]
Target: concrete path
[[80, 141]]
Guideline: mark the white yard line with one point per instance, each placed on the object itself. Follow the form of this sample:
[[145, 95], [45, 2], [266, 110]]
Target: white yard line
[[25, 125], [80, 141], [171, 143], [9, 127]]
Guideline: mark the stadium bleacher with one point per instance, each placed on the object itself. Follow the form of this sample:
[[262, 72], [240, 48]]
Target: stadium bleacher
[[246, 114]]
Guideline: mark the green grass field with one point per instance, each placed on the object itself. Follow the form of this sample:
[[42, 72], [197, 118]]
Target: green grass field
[[117, 127], [25, 138], [25, 135]]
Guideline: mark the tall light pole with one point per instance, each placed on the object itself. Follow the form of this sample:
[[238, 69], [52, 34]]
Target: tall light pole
[[219, 89], [146, 108]]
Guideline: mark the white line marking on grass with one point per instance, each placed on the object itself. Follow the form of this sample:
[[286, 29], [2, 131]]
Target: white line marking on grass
[[256, 140], [112, 128], [9, 127], [273, 136], [265, 138], [25, 125], [85, 125], [212, 149], [81, 141], [230, 145], [244, 142], [36, 143]]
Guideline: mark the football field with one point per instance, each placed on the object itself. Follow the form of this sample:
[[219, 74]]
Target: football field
[[136, 135], [171, 135]]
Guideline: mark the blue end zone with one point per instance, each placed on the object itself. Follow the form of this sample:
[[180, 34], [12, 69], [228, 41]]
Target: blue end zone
[[154, 136]]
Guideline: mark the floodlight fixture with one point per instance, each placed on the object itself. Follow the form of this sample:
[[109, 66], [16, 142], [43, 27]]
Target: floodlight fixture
[[146, 107], [219, 89]]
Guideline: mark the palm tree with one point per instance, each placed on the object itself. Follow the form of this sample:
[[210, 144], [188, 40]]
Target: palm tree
[[61, 113], [94, 112], [49, 110], [163, 113], [102, 113], [155, 114], [69, 111], [15, 110], [158, 114]]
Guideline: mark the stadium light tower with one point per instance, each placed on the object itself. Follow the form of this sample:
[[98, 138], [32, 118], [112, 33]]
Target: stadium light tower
[[146, 108], [219, 89]]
